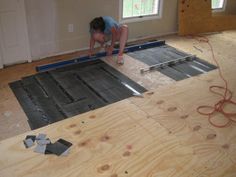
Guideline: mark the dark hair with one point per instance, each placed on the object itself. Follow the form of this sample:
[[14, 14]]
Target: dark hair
[[97, 24]]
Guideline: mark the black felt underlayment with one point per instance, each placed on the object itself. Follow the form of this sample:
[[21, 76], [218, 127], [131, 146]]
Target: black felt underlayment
[[177, 72], [56, 95]]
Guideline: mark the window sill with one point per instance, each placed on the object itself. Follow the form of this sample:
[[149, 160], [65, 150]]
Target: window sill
[[139, 19], [218, 10]]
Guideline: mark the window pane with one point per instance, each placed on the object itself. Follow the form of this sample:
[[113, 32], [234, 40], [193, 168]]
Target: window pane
[[135, 8], [217, 4]]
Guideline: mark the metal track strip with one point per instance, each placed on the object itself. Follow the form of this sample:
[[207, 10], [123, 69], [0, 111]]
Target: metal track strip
[[168, 63], [98, 56]]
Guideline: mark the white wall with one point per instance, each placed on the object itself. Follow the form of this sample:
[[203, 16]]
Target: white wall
[[42, 27], [14, 42], [1, 62], [48, 22], [1, 58]]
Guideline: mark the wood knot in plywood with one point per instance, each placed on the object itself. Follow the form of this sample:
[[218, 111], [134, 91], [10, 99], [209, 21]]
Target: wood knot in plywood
[[150, 93], [184, 117], [225, 146], [84, 143], [211, 136], [160, 102], [172, 109], [129, 147], [197, 128], [114, 175], [103, 168], [92, 117], [105, 138], [127, 153], [72, 126], [77, 132]]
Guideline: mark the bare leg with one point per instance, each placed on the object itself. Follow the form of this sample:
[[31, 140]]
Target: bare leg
[[124, 31]]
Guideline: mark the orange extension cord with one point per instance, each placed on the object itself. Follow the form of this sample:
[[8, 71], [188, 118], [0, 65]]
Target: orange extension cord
[[223, 91]]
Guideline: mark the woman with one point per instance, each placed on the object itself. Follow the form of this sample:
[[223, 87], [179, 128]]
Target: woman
[[104, 29]]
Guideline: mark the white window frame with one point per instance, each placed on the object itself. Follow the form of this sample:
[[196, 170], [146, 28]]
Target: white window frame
[[140, 18], [219, 9]]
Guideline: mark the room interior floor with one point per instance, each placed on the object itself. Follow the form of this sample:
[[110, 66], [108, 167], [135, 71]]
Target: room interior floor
[[13, 120]]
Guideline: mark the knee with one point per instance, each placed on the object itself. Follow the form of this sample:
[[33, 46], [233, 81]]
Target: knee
[[125, 30], [125, 27]]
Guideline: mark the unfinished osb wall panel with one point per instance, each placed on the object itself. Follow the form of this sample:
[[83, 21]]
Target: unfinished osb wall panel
[[195, 16]]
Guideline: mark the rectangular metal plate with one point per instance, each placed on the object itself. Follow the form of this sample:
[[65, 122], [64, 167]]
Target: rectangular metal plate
[[58, 148], [55, 95], [180, 71]]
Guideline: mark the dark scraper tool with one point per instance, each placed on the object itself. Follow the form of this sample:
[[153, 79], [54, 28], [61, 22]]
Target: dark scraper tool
[[28, 143], [58, 148]]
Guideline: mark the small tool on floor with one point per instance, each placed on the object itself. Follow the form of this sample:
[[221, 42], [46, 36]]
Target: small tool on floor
[[168, 63], [58, 148], [44, 146], [28, 143], [40, 149]]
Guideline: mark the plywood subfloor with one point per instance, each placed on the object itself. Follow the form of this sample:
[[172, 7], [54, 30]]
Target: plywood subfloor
[[158, 135], [13, 120]]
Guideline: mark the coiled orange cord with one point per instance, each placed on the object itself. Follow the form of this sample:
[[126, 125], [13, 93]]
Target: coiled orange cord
[[223, 91]]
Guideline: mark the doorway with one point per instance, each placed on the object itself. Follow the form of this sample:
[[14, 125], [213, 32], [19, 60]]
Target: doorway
[[14, 42]]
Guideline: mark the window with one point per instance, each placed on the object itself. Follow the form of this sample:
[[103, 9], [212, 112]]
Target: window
[[218, 4], [135, 10]]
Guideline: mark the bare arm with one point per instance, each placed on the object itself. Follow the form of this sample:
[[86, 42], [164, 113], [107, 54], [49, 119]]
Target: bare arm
[[92, 43]]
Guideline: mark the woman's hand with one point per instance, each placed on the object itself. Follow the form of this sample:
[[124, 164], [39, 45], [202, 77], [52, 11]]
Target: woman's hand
[[109, 50], [90, 53]]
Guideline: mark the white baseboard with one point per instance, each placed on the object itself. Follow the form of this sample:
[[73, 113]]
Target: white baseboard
[[153, 36], [61, 53], [16, 63]]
